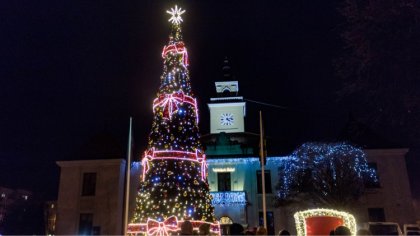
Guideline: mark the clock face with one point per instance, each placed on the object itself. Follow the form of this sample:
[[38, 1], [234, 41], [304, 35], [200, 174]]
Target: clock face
[[226, 119]]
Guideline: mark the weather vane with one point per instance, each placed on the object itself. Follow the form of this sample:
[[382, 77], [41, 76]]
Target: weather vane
[[175, 15]]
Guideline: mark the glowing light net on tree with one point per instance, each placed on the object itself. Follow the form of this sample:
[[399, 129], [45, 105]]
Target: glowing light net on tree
[[174, 185]]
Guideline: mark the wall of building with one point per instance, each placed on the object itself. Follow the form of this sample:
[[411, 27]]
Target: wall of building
[[393, 195], [107, 203]]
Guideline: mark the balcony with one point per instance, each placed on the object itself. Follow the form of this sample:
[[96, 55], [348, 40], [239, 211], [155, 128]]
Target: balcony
[[230, 198]]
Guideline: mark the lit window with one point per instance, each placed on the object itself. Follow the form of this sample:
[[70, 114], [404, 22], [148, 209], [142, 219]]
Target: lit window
[[225, 220], [85, 224]]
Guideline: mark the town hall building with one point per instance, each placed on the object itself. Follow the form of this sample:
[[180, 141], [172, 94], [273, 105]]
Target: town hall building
[[91, 192], [234, 172]]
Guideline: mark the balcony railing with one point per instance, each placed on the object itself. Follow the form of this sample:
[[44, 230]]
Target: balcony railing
[[229, 198]]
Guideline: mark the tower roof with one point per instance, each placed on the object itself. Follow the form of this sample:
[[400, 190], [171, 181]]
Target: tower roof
[[228, 86]]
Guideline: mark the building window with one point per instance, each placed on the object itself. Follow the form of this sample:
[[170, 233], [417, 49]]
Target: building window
[[370, 184], [267, 179], [376, 214], [225, 223], [223, 181], [85, 224], [270, 222], [89, 184]]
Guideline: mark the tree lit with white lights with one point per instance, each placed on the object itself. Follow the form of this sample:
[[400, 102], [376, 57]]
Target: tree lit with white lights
[[329, 174]]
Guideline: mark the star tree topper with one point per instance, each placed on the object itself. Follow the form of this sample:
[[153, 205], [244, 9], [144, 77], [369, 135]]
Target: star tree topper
[[176, 15]]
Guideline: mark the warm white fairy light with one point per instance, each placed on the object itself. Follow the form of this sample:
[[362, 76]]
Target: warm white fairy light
[[300, 219], [175, 15]]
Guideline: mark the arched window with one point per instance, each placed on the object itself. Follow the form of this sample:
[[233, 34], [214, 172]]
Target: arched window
[[225, 220], [225, 223], [226, 92]]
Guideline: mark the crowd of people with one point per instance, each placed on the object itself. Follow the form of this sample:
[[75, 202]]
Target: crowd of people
[[238, 229]]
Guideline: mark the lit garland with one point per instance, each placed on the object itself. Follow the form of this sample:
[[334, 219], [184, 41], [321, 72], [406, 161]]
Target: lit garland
[[231, 198], [171, 102], [151, 155], [300, 219], [244, 160], [174, 185], [171, 224], [177, 48]]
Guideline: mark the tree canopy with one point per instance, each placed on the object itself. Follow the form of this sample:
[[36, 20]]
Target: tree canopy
[[380, 64], [327, 174]]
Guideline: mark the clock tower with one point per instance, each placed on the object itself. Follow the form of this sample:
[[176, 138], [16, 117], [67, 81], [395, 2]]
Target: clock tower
[[227, 110]]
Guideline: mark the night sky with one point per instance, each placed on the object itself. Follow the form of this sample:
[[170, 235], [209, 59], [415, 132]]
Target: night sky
[[73, 72]]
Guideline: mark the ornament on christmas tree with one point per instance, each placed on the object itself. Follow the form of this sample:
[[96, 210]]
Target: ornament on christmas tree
[[174, 169], [176, 15]]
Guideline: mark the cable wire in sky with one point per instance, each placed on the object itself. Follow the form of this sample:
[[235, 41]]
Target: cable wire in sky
[[271, 105]]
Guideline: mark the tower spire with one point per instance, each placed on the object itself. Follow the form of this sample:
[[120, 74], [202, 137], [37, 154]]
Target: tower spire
[[227, 74]]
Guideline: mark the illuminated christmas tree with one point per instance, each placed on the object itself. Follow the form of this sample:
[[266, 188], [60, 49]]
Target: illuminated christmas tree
[[174, 184]]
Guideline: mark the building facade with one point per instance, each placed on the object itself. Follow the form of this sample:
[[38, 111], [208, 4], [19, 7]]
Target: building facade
[[91, 197], [50, 217], [13, 202], [235, 183], [235, 173]]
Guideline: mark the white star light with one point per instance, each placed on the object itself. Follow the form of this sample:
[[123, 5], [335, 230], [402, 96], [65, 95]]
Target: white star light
[[176, 15]]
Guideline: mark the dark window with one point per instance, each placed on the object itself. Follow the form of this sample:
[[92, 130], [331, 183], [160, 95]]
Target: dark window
[[96, 230], [270, 222], [85, 224], [371, 184], [382, 229], [89, 184], [223, 181], [376, 214], [267, 179]]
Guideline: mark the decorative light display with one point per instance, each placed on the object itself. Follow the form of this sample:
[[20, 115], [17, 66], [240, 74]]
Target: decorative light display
[[173, 185], [319, 161], [177, 48], [167, 226], [176, 15], [244, 160], [151, 155], [231, 198], [225, 220], [171, 102], [224, 169], [301, 216]]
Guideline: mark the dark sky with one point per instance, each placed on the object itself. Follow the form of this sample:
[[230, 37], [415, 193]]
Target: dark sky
[[72, 71]]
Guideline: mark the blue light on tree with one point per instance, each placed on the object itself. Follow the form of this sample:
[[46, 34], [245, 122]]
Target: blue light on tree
[[330, 174]]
